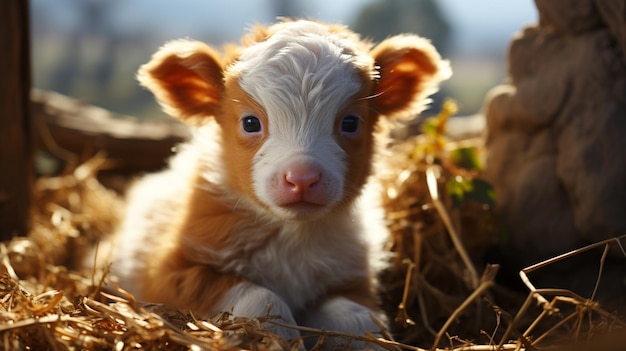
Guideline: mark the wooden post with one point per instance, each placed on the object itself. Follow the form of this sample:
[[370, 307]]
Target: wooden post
[[16, 153]]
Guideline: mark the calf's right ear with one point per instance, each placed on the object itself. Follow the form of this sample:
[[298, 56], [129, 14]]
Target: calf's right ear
[[187, 79]]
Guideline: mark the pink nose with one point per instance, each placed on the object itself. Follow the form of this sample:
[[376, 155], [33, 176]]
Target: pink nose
[[301, 180]]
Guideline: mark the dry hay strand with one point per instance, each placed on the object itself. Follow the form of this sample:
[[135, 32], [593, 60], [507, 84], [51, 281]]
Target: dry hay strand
[[586, 319]]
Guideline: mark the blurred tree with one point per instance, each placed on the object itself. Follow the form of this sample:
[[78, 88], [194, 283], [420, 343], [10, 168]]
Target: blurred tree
[[287, 8], [382, 18], [93, 32]]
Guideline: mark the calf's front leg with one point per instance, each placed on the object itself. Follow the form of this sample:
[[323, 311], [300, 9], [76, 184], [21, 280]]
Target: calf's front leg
[[250, 300], [343, 315]]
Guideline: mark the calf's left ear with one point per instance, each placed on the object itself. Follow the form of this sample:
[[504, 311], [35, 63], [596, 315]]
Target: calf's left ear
[[410, 69], [187, 79]]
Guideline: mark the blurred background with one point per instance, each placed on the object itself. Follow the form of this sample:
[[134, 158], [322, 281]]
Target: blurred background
[[91, 49]]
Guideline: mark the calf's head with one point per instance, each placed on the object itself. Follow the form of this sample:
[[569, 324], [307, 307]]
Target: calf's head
[[297, 105]]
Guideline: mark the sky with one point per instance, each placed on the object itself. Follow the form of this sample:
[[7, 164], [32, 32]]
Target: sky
[[478, 23]]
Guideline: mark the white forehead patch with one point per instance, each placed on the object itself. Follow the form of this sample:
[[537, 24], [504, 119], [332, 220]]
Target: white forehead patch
[[302, 75]]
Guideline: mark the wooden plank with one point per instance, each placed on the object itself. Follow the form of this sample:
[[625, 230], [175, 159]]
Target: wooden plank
[[16, 161], [74, 132]]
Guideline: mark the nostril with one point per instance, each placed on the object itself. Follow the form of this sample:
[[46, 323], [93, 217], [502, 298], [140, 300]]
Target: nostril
[[302, 181]]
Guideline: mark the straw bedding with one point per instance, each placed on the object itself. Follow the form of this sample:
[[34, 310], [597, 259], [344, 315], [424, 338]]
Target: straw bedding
[[438, 292]]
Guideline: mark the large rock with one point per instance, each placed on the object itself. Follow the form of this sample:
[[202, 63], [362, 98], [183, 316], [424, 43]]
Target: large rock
[[556, 134]]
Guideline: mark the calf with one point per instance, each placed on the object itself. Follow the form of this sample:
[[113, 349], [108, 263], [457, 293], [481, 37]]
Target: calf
[[268, 209]]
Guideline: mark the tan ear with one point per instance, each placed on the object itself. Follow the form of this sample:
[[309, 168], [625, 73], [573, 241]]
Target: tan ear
[[410, 70], [186, 77]]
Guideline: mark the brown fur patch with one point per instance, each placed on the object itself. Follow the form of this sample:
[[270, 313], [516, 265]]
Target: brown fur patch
[[359, 149], [186, 284], [239, 149]]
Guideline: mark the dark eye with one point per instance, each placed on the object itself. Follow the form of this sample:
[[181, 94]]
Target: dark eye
[[251, 124], [350, 124]]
